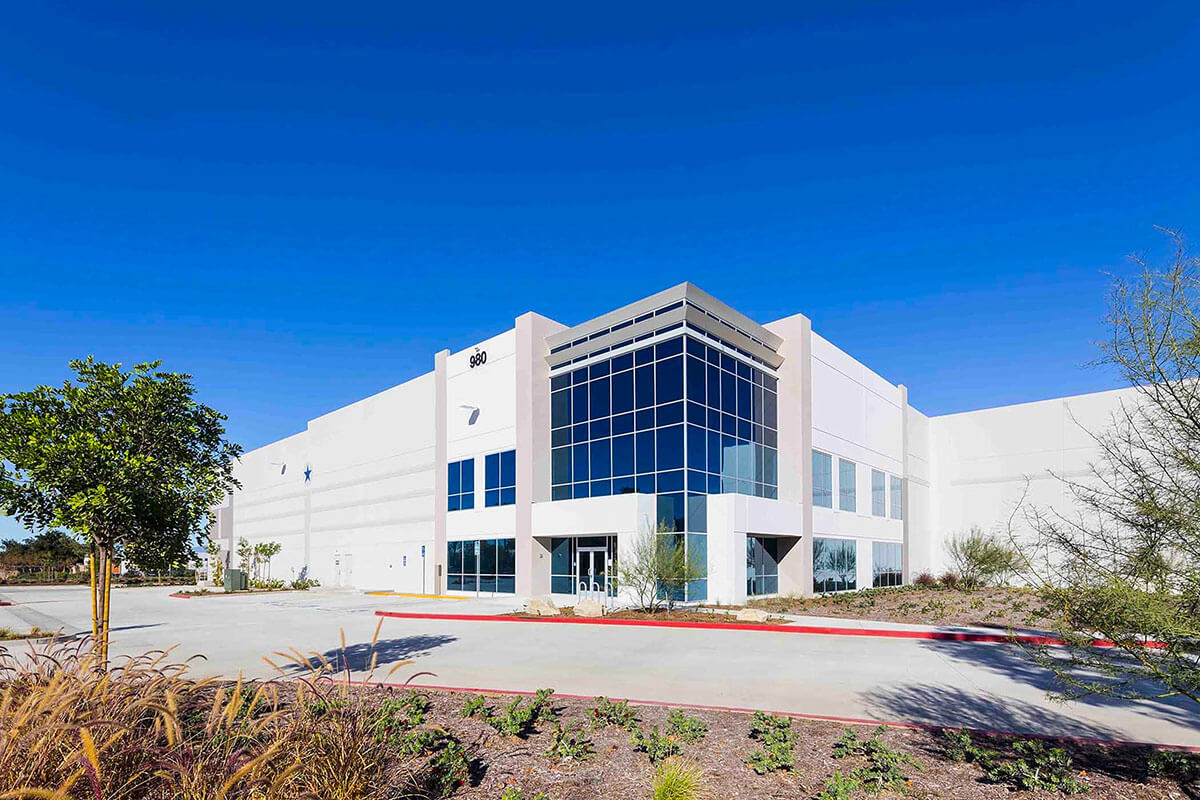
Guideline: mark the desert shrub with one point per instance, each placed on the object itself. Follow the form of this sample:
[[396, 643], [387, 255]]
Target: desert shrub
[[925, 580], [515, 793], [949, 580], [519, 718], [616, 713], [689, 729], [676, 779], [475, 707], [958, 746], [1174, 764], [304, 583], [568, 744], [838, 787], [1035, 766], [777, 738], [267, 583], [980, 559], [395, 716], [883, 769], [658, 747]]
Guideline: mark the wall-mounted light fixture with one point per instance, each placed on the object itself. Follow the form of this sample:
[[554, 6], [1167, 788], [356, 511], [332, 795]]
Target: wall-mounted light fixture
[[282, 466], [473, 412]]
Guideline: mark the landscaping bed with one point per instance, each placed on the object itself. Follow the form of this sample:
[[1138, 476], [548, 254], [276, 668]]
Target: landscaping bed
[[10, 635], [222, 593], [992, 607], [678, 615]]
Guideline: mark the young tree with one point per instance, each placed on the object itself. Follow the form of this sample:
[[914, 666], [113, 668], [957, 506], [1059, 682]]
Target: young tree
[[980, 559], [127, 460], [212, 549], [657, 569], [264, 552], [1127, 568]]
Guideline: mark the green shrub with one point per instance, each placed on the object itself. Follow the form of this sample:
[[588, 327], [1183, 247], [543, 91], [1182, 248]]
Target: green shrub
[[656, 746], [449, 768], [980, 559], [518, 718], [676, 779], [1036, 766], [689, 729], [515, 793], [884, 768], [475, 707], [569, 744], [419, 743], [305, 583], [777, 738], [1174, 764], [397, 715], [960, 747], [272, 584], [615, 713], [838, 787]]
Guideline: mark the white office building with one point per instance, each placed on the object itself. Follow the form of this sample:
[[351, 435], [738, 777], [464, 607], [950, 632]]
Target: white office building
[[527, 464]]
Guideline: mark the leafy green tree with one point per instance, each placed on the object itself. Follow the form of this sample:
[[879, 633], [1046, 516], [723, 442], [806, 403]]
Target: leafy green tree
[[127, 460], [657, 569], [981, 559], [1127, 567], [264, 552]]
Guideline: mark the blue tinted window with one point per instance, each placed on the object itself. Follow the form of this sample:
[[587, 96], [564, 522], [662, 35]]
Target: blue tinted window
[[670, 447], [560, 408], [460, 484], [645, 451], [579, 403], [644, 386], [579, 462], [560, 465], [622, 392], [669, 383], [696, 447], [500, 478], [622, 424], [622, 455], [484, 565], [601, 459], [671, 348], [599, 398]]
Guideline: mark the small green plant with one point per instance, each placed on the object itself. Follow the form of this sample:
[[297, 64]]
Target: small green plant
[[419, 743], [475, 707], [657, 747], [676, 779], [305, 583], [515, 793], [519, 718], [396, 715], [777, 738], [884, 768], [1036, 766], [960, 747], [270, 584], [1174, 764], [690, 729], [569, 744], [615, 713], [449, 768], [838, 787]]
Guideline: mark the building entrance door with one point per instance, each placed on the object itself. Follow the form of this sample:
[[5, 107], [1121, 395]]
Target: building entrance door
[[591, 573]]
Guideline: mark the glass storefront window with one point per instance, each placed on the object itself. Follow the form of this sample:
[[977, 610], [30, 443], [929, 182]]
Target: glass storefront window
[[887, 566], [484, 565], [835, 565]]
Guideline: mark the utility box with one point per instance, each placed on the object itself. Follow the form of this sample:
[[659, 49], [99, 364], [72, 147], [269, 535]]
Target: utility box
[[236, 581]]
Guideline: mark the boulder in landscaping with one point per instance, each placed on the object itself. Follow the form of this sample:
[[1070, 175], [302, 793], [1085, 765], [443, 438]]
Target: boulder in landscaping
[[751, 615], [542, 607], [589, 608]]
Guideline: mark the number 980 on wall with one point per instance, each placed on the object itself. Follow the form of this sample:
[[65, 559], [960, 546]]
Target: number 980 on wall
[[478, 358]]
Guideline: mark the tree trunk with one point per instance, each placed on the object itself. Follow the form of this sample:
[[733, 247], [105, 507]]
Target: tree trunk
[[95, 599]]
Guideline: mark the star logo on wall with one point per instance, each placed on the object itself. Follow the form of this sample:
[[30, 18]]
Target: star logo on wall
[[307, 474]]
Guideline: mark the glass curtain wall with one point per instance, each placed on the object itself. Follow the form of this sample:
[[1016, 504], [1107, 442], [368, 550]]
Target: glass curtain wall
[[762, 565], [678, 419]]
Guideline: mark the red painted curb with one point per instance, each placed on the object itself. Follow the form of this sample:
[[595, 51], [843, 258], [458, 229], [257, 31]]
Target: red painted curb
[[793, 714], [180, 595], [5, 603], [944, 636]]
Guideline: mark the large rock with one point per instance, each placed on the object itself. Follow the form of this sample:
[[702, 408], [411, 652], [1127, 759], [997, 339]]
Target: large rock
[[589, 608], [542, 607], [751, 615]]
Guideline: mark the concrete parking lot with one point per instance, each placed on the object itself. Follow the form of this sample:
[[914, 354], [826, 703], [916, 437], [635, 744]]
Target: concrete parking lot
[[989, 686]]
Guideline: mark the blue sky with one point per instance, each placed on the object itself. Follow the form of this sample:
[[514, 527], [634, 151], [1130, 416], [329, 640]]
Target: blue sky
[[300, 202]]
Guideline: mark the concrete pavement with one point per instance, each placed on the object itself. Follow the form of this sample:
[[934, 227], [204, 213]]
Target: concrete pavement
[[987, 686]]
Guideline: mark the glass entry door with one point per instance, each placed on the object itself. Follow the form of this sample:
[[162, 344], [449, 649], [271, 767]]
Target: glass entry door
[[591, 574]]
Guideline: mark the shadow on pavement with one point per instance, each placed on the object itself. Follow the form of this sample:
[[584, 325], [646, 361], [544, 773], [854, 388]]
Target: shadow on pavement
[[951, 707], [1013, 663], [357, 657]]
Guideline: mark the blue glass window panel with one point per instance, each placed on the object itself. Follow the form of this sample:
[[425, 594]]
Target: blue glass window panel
[[622, 362], [453, 480], [560, 408], [645, 484], [697, 481], [622, 455], [757, 401], [822, 478], [697, 547], [645, 419], [643, 385], [743, 370], [600, 429], [601, 488], [470, 583], [508, 468], [560, 493], [468, 474], [729, 424], [713, 385], [670, 512], [579, 462], [622, 424], [454, 556], [696, 447], [728, 393], [714, 419], [644, 356], [770, 410], [562, 584], [487, 557], [599, 398], [579, 433], [491, 471], [622, 392], [729, 457], [470, 558], [712, 355], [601, 459], [744, 393], [695, 348], [770, 437], [668, 348], [560, 382], [454, 582], [670, 481], [579, 403], [745, 461], [623, 485], [491, 497], [560, 556], [696, 414], [506, 584], [579, 376], [770, 383], [714, 484], [579, 490], [770, 466], [598, 370], [714, 451], [728, 364], [508, 496], [669, 383], [466, 501], [696, 382], [669, 447], [745, 429], [645, 451], [560, 437], [670, 414]]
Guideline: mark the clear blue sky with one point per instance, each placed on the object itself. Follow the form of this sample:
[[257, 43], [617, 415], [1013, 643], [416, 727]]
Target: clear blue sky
[[301, 202]]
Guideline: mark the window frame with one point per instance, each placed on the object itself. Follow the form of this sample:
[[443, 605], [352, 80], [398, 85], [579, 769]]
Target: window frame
[[841, 485], [501, 492]]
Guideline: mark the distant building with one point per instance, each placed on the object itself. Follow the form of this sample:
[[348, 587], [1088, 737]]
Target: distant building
[[527, 463]]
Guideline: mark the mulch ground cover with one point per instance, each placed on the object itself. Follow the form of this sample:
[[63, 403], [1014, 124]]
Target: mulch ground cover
[[678, 615]]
